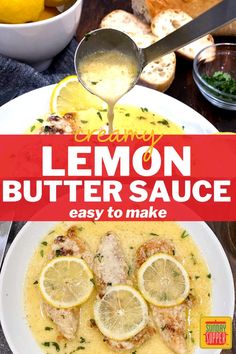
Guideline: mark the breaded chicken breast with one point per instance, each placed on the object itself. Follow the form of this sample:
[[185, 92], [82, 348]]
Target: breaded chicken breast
[[171, 322], [110, 268], [67, 320], [56, 124], [109, 265]]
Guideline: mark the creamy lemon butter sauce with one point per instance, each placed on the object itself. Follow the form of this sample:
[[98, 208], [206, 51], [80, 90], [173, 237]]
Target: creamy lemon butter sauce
[[126, 118], [109, 75], [89, 340]]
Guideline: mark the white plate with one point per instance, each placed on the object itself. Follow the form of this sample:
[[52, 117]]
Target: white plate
[[19, 114], [12, 279]]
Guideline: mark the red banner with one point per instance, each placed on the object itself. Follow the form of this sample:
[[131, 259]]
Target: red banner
[[173, 177]]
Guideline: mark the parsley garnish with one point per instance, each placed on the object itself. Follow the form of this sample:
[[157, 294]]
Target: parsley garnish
[[221, 81], [184, 234], [164, 122], [153, 234], [99, 115]]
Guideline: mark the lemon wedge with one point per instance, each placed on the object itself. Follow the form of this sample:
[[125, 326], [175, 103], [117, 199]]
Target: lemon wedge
[[66, 282], [121, 313], [163, 281], [70, 96]]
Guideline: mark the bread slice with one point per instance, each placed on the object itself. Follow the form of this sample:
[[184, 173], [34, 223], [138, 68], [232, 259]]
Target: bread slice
[[170, 20], [160, 73], [141, 10], [147, 9], [125, 22]]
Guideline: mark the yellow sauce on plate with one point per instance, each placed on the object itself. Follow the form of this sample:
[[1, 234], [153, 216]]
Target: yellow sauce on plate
[[132, 235], [126, 117]]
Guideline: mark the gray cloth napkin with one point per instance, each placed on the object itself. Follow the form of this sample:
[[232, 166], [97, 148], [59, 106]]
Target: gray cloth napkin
[[23, 78]]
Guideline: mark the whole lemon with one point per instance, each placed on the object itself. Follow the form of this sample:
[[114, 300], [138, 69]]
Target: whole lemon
[[55, 3], [47, 13], [20, 11]]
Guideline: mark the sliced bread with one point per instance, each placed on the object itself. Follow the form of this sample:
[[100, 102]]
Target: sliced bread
[[170, 20], [125, 22], [160, 73]]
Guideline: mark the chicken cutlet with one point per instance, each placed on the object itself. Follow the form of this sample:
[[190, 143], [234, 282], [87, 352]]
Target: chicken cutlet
[[67, 320], [110, 268], [56, 124], [171, 322]]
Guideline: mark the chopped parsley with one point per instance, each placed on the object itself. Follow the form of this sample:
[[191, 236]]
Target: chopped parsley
[[92, 281], [54, 344], [48, 328], [193, 258], [153, 234], [84, 121], [144, 109], [94, 82], [129, 271], [197, 277], [32, 128], [164, 122], [36, 282], [40, 120], [82, 340], [99, 256], [42, 253], [209, 275], [58, 253], [99, 115], [141, 118], [44, 243], [184, 234], [221, 81], [127, 114]]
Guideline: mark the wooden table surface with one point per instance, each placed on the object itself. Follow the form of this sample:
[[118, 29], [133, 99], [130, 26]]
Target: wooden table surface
[[185, 90]]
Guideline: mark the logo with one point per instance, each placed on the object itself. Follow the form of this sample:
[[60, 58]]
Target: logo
[[216, 333]]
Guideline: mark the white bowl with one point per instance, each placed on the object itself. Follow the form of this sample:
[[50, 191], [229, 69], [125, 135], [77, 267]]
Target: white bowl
[[37, 43], [12, 279]]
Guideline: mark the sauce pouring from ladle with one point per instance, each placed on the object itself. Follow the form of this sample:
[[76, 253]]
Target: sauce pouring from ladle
[[108, 62]]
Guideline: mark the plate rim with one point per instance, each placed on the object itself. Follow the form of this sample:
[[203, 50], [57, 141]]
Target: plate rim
[[28, 224]]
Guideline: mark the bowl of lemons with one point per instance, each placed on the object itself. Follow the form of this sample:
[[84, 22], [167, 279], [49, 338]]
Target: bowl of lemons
[[34, 31]]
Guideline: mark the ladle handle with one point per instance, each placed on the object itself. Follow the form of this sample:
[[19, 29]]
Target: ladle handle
[[209, 21]]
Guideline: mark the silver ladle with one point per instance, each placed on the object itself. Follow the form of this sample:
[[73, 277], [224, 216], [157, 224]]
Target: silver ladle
[[108, 39]]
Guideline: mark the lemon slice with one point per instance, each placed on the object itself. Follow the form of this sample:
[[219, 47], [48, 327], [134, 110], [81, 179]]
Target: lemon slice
[[66, 282], [121, 313], [163, 281], [70, 96]]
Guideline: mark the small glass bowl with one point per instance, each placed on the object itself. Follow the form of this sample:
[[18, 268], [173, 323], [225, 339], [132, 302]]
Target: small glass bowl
[[216, 57]]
